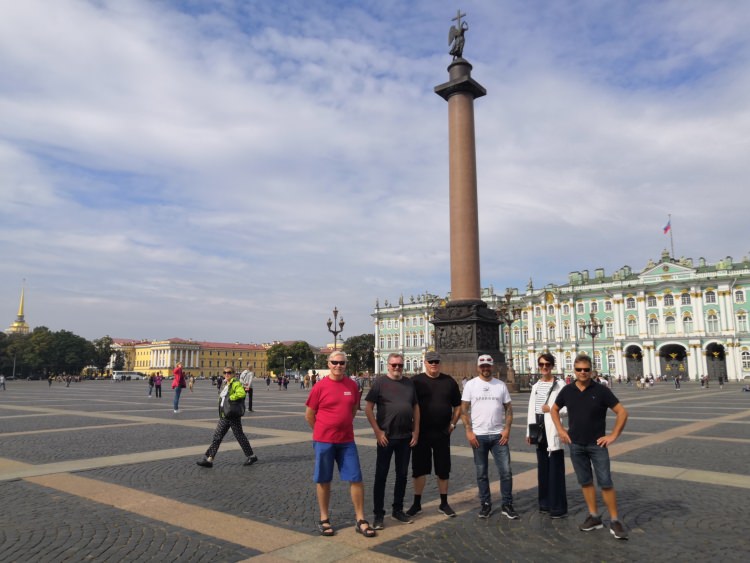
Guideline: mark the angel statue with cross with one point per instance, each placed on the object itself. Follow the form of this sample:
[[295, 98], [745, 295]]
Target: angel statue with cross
[[456, 36]]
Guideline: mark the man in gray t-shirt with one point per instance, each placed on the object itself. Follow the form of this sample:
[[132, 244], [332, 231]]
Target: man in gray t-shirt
[[396, 428]]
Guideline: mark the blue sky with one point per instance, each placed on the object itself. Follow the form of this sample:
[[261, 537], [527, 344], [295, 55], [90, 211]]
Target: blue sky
[[232, 170]]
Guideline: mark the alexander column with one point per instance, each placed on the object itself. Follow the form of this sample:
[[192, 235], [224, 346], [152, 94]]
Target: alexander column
[[465, 327]]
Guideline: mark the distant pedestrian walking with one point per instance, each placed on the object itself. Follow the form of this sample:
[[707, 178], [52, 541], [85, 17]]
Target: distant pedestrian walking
[[178, 384], [677, 382], [246, 378], [157, 384], [150, 385], [232, 391], [2, 382]]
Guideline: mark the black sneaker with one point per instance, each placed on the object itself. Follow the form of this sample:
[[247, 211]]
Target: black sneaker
[[204, 463], [377, 523], [485, 511], [414, 510], [252, 459], [559, 516], [618, 530], [509, 511], [591, 523], [401, 517], [447, 510]]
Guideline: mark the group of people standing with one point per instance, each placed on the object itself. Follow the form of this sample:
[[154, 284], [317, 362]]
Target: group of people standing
[[415, 418]]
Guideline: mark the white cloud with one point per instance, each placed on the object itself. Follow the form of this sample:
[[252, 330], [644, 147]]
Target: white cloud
[[234, 171]]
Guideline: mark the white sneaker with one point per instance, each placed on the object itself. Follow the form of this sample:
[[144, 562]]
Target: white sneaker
[[176, 412]]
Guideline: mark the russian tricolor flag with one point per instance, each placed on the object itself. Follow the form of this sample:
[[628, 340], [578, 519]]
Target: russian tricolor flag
[[668, 227]]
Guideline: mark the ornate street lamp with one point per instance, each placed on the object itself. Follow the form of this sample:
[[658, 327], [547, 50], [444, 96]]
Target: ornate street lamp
[[334, 330], [593, 328], [507, 314]]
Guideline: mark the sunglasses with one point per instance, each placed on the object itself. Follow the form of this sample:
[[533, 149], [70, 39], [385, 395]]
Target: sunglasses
[[433, 362], [584, 370], [337, 363], [545, 364], [396, 365], [227, 372]]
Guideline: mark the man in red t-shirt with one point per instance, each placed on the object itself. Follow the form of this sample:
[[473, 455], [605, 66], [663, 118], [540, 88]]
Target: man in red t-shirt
[[331, 408]]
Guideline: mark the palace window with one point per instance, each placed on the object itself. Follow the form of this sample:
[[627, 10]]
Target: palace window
[[630, 303], [525, 315], [566, 309], [669, 324], [653, 327], [538, 311], [382, 343], [421, 339], [745, 359], [710, 297], [611, 363], [739, 296], [566, 331], [421, 321], [651, 301], [408, 341], [579, 308], [742, 321], [388, 342], [550, 310], [551, 332], [581, 332], [608, 306], [609, 329], [632, 327], [516, 335], [538, 333], [712, 323], [568, 363], [594, 307], [687, 324], [598, 360], [395, 341], [685, 299], [525, 335], [668, 300]]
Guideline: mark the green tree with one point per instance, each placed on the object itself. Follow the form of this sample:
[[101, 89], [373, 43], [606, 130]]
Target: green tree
[[276, 355], [119, 363], [303, 358], [360, 351], [102, 352]]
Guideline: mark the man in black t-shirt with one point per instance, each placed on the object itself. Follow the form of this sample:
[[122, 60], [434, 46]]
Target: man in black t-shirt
[[396, 429], [587, 403], [439, 409]]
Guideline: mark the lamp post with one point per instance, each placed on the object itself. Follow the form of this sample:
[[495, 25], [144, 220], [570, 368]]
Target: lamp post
[[334, 330], [507, 314], [285, 359], [593, 328]]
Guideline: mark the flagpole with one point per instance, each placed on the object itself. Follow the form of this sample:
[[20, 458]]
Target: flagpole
[[671, 240]]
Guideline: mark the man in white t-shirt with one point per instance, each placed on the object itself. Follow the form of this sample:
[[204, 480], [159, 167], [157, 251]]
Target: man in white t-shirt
[[487, 414]]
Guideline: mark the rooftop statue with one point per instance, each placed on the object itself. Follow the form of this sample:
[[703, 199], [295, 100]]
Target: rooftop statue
[[456, 36]]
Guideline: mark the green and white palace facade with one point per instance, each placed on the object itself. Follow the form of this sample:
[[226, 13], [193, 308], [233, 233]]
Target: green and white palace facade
[[675, 317]]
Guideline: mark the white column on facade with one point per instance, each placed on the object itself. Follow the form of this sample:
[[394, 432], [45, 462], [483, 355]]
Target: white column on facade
[[698, 317], [692, 364], [723, 309], [401, 334], [618, 312], [642, 320], [733, 371], [169, 357]]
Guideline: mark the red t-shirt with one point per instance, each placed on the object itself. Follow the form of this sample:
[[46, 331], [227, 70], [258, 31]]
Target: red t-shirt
[[333, 403]]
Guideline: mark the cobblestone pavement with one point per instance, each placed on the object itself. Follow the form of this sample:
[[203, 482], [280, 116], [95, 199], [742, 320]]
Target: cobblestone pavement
[[99, 472]]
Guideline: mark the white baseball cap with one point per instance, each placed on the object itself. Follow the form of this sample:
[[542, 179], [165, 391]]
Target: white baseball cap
[[485, 360]]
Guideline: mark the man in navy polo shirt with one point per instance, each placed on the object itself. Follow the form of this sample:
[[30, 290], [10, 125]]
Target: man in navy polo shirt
[[588, 402]]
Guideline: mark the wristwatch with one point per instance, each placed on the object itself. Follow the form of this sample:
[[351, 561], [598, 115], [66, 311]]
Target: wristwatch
[[453, 426]]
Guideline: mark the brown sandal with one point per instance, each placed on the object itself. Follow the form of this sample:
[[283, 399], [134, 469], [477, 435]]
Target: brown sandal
[[366, 531]]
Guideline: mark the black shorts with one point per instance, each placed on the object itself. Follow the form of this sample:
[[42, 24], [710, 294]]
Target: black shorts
[[435, 445]]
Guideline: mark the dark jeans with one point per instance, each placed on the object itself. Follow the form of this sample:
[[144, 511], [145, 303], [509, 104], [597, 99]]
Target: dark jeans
[[250, 399], [490, 443], [158, 390], [399, 447], [176, 401], [551, 480]]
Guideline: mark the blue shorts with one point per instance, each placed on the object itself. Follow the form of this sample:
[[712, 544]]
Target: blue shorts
[[346, 458], [583, 457]]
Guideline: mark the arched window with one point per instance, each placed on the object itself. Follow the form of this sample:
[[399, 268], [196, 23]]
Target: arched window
[[594, 307], [653, 327], [382, 342], [739, 296], [568, 363], [538, 333], [516, 335], [685, 299], [581, 332], [609, 329], [579, 308], [550, 310], [710, 297], [388, 342], [525, 335], [745, 359], [687, 324], [669, 324], [668, 300], [712, 323], [611, 363], [551, 332], [651, 301], [395, 341], [407, 365], [538, 311], [630, 303], [742, 321], [607, 306], [566, 331], [598, 360], [632, 327], [566, 309]]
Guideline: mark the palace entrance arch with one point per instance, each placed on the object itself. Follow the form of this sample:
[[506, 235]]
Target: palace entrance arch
[[633, 362], [673, 361], [716, 362]]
